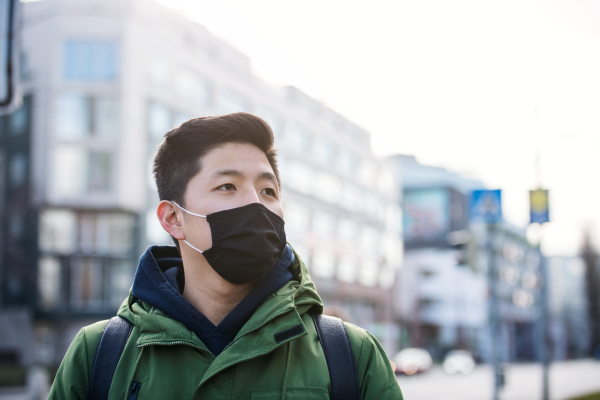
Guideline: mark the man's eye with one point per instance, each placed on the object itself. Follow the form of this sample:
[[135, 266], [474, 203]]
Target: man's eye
[[269, 192], [227, 186]]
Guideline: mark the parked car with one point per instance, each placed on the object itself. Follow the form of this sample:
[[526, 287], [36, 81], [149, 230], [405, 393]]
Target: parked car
[[458, 361], [412, 360]]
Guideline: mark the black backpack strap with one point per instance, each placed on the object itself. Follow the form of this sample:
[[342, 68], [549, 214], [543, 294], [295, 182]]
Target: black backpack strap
[[110, 347], [339, 356]]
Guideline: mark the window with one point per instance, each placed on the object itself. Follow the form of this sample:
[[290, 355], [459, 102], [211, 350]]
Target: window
[[347, 230], [297, 220], [95, 233], [18, 169], [90, 60], [58, 231], [274, 121], [68, 176], [297, 138], [190, 85], [159, 120], [300, 177], [86, 283], [49, 282], [323, 263], [324, 151], [369, 272], [367, 173], [328, 187], [100, 174], [347, 162], [347, 269], [155, 233], [387, 277], [159, 72], [230, 102], [18, 120], [80, 116], [323, 223]]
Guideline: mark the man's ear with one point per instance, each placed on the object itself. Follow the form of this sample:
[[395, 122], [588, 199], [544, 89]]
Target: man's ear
[[168, 218]]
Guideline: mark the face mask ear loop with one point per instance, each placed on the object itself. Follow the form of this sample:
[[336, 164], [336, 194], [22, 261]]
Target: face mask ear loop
[[197, 215], [189, 212], [188, 243]]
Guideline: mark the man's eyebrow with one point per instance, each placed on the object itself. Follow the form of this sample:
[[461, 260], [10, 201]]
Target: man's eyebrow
[[268, 175], [227, 172]]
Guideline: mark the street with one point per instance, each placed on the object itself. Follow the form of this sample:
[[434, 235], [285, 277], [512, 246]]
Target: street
[[523, 382]]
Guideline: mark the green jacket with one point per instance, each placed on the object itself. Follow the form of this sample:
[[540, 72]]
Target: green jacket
[[170, 362]]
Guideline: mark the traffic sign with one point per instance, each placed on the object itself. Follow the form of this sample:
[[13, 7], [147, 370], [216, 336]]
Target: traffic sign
[[486, 205]]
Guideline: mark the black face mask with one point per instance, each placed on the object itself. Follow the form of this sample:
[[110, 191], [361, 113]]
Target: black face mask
[[246, 241]]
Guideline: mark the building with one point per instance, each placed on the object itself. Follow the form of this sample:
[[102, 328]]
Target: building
[[442, 291], [568, 305], [104, 81], [440, 297]]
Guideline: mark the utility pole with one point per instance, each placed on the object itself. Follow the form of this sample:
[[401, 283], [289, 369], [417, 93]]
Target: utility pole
[[494, 320]]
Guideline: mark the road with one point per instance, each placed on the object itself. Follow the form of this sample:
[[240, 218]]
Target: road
[[523, 382]]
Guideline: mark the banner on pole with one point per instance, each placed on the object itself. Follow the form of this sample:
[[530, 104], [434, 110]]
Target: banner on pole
[[538, 206]]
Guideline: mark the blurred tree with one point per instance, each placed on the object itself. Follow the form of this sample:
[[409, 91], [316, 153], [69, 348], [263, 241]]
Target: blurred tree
[[590, 258]]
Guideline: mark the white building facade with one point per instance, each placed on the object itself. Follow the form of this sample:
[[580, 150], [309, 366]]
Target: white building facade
[[107, 79]]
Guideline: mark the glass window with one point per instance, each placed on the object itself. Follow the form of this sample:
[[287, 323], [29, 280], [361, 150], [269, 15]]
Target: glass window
[[191, 86], [18, 169], [323, 223], [18, 120], [368, 240], [301, 177], [159, 120], [119, 278], [73, 118], [387, 277], [114, 233], [368, 273], [323, 263], [347, 162], [105, 117], [49, 282], [297, 138], [347, 230], [367, 173], [58, 231], [91, 60], [328, 187], [324, 151], [297, 220], [16, 226], [159, 72], [86, 284], [69, 168], [155, 233], [229, 102], [101, 171], [274, 121], [347, 269]]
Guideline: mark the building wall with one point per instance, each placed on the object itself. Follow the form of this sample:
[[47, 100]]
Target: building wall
[[109, 79]]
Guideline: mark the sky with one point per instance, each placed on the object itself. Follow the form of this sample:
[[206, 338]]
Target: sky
[[508, 91]]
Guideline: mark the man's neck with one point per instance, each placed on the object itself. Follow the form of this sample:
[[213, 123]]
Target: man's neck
[[206, 290]]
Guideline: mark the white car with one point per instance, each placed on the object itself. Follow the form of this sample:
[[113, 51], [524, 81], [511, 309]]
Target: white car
[[458, 361], [412, 360]]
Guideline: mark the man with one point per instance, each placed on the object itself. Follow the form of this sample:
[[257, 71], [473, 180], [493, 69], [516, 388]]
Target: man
[[225, 314]]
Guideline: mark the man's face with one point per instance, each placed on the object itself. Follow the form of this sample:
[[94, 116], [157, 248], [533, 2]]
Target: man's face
[[231, 176]]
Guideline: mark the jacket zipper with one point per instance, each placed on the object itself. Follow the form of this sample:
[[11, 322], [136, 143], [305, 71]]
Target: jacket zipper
[[133, 392], [173, 344], [257, 327]]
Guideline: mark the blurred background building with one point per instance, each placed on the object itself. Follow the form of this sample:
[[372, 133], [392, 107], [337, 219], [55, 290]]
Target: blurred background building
[[442, 291], [104, 81]]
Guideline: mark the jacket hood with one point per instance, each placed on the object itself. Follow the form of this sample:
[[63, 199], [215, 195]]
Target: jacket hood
[[295, 298]]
